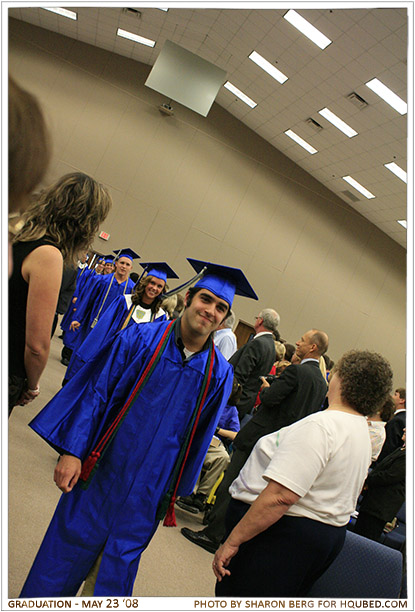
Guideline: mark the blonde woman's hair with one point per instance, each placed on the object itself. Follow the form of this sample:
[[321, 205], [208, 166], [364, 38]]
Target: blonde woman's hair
[[169, 304], [68, 213]]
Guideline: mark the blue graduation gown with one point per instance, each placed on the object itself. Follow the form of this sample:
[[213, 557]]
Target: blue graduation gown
[[84, 281], [108, 325], [102, 293], [117, 513]]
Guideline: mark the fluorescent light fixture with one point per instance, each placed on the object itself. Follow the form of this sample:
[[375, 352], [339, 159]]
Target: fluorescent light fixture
[[240, 94], [61, 11], [397, 170], [301, 142], [136, 38], [403, 223], [387, 94], [268, 67], [359, 187], [337, 122], [307, 29]]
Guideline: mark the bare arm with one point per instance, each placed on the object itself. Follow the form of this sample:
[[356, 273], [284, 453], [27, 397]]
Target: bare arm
[[42, 270], [267, 509], [226, 433]]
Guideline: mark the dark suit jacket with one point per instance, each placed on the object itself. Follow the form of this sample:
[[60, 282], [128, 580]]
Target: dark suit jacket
[[386, 487], [394, 431], [251, 361], [299, 391]]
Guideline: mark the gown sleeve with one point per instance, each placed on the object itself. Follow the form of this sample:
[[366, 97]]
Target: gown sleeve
[[74, 419]]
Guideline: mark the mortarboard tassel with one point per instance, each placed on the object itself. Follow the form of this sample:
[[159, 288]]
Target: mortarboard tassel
[[170, 518], [89, 464]]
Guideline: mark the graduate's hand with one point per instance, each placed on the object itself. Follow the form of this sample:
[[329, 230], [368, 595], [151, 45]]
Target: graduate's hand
[[67, 472], [74, 325]]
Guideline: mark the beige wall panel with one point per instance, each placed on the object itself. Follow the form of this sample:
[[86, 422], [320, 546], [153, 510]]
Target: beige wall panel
[[225, 193], [129, 221], [346, 328], [157, 170], [38, 69], [210, 188], [164, 238], [121, 160]]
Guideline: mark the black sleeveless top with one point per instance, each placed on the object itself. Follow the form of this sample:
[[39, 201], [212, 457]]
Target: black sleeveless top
[[18, 290]]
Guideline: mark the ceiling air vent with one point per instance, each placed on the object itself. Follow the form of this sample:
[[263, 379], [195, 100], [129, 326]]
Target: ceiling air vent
[[357, 100], [132, 11], [316, 126], [350, 195]]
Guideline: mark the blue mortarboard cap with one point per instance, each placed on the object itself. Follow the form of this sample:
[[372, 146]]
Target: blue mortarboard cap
[[126, 253], [159, 269], [223, 281], [109, 258]]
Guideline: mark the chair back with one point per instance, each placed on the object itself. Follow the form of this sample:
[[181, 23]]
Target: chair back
[[363, 568]]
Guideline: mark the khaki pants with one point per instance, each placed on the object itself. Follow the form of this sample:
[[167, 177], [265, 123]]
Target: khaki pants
[[216, 461]]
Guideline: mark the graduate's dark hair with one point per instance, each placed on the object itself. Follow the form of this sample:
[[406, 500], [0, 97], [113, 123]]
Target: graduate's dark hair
[[139, 292], [191, 294]]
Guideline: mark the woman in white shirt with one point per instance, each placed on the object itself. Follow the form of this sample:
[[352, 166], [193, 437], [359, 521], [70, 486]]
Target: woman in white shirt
[[293, 498]]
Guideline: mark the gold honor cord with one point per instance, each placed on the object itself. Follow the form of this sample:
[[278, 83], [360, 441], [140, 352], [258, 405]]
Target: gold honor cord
[[95, 321]]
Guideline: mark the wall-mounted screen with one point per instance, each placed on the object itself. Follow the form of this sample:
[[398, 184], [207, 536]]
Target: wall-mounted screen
[[186, 78]]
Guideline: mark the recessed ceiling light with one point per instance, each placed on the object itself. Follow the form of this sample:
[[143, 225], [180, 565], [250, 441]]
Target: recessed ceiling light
[[337, 122], [240, 94], [388, 95], [136, 38], [268, 67], [397, 170], [307, 29], [61, 11], [301, 142], [403, 223], [160, 9], [359, 187]]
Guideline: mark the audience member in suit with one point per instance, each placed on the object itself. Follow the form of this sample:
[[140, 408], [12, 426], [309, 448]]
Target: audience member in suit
[[394, 428], [384, 494], [296, 393], [255, 358]]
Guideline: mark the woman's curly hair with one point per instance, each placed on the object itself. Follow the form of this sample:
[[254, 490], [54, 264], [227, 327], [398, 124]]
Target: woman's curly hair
[[365, 380], [139, 292], [69, 213]]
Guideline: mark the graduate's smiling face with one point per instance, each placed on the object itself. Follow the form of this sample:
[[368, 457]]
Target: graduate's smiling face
[[205, 312], [153, 289], [109, 268]]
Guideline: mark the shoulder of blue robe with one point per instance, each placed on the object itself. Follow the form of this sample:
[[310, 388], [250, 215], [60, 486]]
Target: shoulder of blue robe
[[89, 295], [73, 420], [108, 325], [216, 400]]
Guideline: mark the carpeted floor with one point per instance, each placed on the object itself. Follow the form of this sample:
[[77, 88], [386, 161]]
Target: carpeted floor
[[170, 567]]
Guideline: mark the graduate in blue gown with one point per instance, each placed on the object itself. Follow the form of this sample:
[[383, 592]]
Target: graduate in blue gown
[[143, 306], [134, 426], [99, 297]]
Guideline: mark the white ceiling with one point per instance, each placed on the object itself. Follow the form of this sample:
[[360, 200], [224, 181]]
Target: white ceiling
[[367, 43]]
